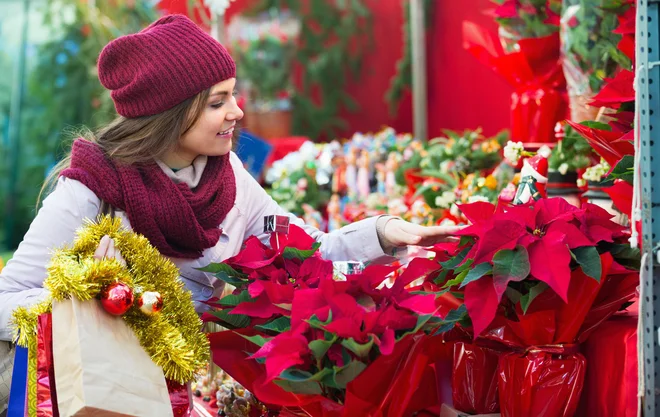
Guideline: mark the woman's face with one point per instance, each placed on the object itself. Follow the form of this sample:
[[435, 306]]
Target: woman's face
[[212, 133]]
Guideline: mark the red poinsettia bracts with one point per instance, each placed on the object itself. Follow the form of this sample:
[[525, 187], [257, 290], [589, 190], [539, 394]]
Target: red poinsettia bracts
[[311, 334], [541, 242]]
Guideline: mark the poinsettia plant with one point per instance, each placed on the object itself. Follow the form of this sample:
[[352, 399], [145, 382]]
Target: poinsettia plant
[[265, 278], [528, 18], [509, 255], [591, 42], [309, 333]]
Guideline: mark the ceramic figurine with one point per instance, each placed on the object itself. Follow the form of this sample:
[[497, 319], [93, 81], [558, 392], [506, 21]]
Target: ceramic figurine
[[363, 176], [391, 167], [311, 216], [351, 172], [334, 213], [533, 179], [381, 173]]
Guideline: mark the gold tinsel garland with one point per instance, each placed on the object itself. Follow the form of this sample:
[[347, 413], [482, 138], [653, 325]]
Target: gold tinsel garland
[[173, 338]]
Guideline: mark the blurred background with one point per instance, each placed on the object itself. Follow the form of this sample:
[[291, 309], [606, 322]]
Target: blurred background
[[313, 69]]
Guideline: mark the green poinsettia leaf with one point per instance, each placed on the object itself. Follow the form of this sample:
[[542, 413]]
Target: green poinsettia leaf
[[452, 318], [215, 268], [256, 339], [596, 125], [360, 349], [316, 323], [293, 253], [624, 169], [589, 260], [626, 255], [477, 272], [231, 280], [513, 294], [534, 292], [465, 267], [279, 325], [232, 300], [348, 373], [297, 387], [510, 265], [458, 280], [233, 321], [456, 260], [320, 347]]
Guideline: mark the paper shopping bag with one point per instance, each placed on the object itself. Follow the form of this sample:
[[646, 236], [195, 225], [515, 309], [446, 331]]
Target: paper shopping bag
[[100, 368]]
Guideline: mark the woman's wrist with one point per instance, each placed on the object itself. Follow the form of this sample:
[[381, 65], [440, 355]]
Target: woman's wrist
[[381, 223]]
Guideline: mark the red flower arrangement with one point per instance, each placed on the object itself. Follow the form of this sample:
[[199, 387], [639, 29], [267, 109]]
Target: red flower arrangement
[[305, 340], [536, 280]]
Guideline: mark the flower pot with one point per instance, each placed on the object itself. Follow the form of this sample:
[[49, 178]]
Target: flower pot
[[565, 186], [269, 124]]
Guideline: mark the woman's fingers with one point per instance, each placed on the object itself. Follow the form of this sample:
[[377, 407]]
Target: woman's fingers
[[108, 250], [102, 249]]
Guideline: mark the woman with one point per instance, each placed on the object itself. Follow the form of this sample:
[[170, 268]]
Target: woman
[[165, 167]]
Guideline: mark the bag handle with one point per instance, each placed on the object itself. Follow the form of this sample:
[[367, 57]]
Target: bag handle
[[106, 209]]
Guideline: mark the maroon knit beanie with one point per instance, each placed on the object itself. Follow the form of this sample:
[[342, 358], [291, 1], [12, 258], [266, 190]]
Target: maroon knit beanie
[[165, 64]]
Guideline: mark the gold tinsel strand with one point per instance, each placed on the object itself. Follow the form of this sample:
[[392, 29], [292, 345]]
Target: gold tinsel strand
[[173, 338]]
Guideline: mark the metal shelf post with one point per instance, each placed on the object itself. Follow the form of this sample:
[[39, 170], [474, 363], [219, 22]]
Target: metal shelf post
[[648, 102]]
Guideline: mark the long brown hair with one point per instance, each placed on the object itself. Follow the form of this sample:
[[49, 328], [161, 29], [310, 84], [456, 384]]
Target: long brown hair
[[139, 140]]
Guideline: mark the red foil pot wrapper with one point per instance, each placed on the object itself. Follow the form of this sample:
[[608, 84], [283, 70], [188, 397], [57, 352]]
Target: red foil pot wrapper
[[46, 395], [180, 399], [610, 386], [541, 383], [535, 71], [475, 379]]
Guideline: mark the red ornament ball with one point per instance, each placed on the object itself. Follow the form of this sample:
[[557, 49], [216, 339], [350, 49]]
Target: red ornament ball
[[117, 298], [150, 302]]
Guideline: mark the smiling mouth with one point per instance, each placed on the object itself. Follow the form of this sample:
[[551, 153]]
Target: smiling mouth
[[226, 132]]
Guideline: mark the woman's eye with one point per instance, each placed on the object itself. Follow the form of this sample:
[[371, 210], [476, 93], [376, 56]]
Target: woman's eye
[[217, 105]]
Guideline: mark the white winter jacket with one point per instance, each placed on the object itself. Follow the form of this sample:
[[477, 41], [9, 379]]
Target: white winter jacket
[[63, 212]]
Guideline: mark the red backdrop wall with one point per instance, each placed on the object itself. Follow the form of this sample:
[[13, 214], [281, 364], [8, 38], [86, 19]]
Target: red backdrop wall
[[461, 92]]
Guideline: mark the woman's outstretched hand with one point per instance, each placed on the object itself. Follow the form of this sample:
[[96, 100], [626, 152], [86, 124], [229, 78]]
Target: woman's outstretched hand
[[397, 233]]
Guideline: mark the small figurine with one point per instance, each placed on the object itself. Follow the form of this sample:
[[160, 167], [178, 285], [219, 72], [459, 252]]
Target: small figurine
[[391, 167], [311, 216], [533, 178], [351, 172], [363, 176], [381, 173], [339, 175], [334, 213]]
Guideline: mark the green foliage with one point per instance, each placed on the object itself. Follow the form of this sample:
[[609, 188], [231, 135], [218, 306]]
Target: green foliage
[[291, 197], [531, 20], [266, 63], [62, 91], [335, 36], [590, 46], [573, 150]]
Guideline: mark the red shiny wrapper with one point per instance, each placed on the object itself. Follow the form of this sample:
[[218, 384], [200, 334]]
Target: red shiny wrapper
[[540, 370], [180, 399], [541, 383], [535, 71], [474, 379], [611, 353], [394, 385], [46, 395]]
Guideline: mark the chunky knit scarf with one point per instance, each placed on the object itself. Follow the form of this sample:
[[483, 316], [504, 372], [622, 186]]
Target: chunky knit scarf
[[181, 222]]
